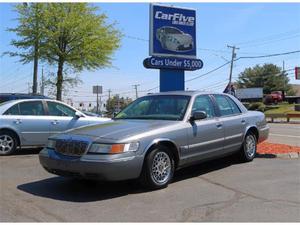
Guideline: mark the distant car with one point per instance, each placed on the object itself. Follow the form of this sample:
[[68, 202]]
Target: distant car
[[29, 123], [155, 135], [4, 97], [174, 39], [273, 98]]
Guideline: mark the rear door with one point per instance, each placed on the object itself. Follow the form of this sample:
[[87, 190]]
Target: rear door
[[233, 122], [29, 119]]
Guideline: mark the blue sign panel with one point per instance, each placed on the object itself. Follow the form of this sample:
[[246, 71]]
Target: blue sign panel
[[173, 63], [172, 31]]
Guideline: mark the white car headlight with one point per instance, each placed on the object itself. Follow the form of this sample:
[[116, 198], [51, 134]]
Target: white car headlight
[[51, 143], [113, 148]]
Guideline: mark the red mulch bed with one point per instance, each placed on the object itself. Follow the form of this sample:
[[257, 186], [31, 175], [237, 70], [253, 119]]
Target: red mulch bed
[[270, 148]]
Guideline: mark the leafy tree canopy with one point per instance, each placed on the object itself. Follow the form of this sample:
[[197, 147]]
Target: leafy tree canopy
[[269, 76]]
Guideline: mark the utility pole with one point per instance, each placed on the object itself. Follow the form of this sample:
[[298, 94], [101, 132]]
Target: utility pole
[[283, 72], [231, 65], [109, 91], [28, 83], [136, 91]]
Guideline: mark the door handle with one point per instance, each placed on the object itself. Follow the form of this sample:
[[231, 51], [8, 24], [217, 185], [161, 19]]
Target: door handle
[[243, 121], [17, 121], [219, 125], [55, 122]]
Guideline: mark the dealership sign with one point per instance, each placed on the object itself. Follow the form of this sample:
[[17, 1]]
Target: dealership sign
[[173, 63], [172, 31]]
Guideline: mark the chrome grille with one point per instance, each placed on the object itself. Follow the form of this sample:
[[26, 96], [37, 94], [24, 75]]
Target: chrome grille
[[71, 147]]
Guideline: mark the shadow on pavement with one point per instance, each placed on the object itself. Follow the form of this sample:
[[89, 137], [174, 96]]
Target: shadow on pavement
[[31, 151], [74, 190], [266, 156]]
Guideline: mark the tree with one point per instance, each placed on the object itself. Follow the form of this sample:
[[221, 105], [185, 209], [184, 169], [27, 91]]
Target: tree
[[269, 76], [77, 38], [116, 104], [29, 30]]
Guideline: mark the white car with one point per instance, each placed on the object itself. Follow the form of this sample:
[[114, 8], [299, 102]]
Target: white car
[[174, 39], [29, 122]]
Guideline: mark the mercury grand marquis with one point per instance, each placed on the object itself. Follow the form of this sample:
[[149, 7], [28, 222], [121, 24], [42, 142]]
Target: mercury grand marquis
[[156, 135]]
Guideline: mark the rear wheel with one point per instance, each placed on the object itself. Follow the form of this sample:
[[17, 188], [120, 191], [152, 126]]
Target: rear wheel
[[249, 147], [158, 168], [8, 143]]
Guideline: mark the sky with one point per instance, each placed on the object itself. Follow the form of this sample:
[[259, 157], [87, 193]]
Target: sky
[[255, 28]]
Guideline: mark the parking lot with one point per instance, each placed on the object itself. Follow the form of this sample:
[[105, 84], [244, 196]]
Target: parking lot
[[220, 190]]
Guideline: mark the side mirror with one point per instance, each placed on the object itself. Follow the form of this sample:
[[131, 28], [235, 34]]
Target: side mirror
[[78, 115], [198, 115]]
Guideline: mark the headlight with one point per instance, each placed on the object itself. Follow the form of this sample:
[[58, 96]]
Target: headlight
[[51, 143], [114, 148]]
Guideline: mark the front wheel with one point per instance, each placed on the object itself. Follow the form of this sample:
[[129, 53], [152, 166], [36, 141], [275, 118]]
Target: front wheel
[[158, 168], [249, 147]]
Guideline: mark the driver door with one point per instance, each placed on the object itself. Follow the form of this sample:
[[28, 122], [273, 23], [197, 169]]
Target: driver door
[[205, 137]]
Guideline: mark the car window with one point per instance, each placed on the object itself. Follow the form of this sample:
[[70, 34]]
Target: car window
[[34, 108], [57, 109], [224, 105], [173, 31], [164, 107], [233, 106], [14, 110], [204, 103]]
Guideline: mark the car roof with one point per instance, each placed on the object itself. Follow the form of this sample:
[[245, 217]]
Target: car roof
[[23, 94], [185, 93], [10, 103]]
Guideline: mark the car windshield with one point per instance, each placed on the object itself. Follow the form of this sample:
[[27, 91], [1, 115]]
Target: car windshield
[[173, 31], [156, 107]]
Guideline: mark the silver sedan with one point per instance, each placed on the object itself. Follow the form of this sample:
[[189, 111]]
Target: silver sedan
[[29, 123], [155, 135]]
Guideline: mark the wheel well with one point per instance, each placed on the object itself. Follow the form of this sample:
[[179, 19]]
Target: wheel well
[[13, 132], [171, 146], [254, 131]]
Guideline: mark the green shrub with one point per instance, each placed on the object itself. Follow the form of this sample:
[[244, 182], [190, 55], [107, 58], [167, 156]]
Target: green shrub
[[257, 106], [246, 104]]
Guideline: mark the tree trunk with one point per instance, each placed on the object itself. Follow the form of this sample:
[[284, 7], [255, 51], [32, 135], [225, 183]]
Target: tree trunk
[[59, 83], [35, 68]]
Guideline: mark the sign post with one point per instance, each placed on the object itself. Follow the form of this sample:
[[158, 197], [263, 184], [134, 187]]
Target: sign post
[[172, 45], [97, 90]]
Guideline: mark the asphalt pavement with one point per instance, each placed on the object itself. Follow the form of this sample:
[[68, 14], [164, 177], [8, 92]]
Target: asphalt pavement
[[286, 133], [220, 190]]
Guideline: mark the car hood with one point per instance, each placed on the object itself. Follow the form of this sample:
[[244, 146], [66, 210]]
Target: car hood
[[120, 129]]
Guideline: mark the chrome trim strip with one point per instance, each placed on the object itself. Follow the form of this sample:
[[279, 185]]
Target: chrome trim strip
[[234, 136], [206, 143]]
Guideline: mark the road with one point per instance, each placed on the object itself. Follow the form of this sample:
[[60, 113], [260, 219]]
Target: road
[[285, 134], [221, 190]]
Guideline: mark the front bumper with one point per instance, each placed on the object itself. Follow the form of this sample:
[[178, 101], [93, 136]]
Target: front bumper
[[263, 133], [92, 166]]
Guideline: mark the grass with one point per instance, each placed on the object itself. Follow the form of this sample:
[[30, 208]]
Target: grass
[[283, 108]]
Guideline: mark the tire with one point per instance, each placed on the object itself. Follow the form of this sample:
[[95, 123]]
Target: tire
[[154, 176], [248, 150], [8, 143]]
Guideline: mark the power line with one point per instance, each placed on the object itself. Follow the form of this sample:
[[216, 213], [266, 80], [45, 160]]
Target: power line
[[270, 55], [270, 37], [211, 71]]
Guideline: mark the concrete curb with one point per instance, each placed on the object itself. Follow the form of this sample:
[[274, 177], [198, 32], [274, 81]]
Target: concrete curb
[[291, 155]]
